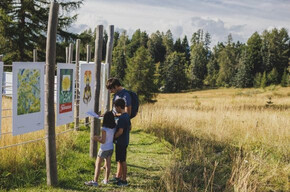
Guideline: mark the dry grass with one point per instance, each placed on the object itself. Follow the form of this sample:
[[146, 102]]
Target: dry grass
[[236, 118], [13, 157]]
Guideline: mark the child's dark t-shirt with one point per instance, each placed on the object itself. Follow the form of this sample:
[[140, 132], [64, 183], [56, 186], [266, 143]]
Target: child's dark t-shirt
[[125, 123]]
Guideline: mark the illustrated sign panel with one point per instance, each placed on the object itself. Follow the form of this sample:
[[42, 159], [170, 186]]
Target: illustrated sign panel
[[87, 89], [65, 93], [28, 97], [1, 77]]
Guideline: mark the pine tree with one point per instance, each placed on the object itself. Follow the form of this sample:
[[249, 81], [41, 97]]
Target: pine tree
[[140, 75], [244, 76], [27, 24], [264, 80], [285, 79], [175, 79], [272, 77], [257, 80], [119, 58]]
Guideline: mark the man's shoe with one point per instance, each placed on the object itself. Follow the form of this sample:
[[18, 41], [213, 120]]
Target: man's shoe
[[122, 183]]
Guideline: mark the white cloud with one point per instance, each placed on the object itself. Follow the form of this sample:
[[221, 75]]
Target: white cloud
[[218, 17]]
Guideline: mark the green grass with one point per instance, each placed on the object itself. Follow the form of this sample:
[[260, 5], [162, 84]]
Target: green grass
[[147, 158]]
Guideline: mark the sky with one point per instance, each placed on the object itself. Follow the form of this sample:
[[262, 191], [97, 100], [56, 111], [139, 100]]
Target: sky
[[241, 18]]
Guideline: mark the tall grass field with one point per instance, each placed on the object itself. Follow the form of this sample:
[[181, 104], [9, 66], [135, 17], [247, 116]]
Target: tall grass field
[[211, 140], [224, 139]]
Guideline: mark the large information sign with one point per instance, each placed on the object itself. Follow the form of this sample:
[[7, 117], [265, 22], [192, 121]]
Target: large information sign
[[87, 89], [65, 93], [28, 97]]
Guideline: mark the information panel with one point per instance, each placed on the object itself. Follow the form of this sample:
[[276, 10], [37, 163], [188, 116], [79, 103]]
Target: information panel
[[27, 97], [87, 88], [65, 93]]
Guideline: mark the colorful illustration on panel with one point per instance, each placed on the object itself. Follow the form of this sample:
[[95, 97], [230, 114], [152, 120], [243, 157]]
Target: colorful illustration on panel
[[87, 90], [65, 95], [28, 91]]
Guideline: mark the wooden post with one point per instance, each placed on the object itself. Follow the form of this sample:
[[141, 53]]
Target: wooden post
[[109, 58], [34, 55], [1, 57], [70, 53], [77, 112], [66, 54], [51, 165], [96, 124], [88, 60]]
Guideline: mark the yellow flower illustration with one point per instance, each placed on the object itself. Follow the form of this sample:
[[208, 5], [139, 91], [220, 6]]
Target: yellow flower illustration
[[66, 83]]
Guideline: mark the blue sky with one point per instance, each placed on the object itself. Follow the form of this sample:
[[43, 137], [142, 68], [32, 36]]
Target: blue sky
[[241, 18]]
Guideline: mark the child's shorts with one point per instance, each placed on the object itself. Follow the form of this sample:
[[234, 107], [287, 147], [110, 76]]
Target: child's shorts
[[105, 154], [121, 153]]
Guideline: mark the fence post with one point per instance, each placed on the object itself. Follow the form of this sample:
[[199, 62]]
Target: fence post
[[34, 55], [88, 60], [51, 164], [70, 53], [77, 113], [109, 58], [1, 57], [66, 54], [96, 123]]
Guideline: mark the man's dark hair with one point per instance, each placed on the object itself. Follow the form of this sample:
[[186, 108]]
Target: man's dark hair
[[112, 83], [109, 120], [120, 103]]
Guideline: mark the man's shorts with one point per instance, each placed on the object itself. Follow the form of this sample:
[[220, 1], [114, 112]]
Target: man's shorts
[[105, 154], [121, 153]]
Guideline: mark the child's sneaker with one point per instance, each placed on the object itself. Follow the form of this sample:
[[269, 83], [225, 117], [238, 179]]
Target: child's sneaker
[[122, 183], [115, 179], [105, 182], [91, 183]]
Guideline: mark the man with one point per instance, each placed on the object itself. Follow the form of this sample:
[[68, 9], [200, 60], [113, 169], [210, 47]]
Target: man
[[114, 86]]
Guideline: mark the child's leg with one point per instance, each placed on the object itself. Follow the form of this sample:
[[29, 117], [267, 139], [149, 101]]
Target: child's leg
[[119, 169], [97, 169], [108, 168], [124, 170]]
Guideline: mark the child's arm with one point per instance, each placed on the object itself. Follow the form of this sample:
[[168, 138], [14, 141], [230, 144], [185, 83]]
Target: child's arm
[[119, 133], [101, 139]]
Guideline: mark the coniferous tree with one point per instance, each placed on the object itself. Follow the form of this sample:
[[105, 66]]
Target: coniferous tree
[[257, 80], [264, 80], [119, 58], [244, 76], [285, 79], [186, 48], [175, 78], [227, 63], [27, 26], [140, 75], [272, 77]]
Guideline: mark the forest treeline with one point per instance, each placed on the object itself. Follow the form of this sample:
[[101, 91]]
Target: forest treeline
[[150, 63]]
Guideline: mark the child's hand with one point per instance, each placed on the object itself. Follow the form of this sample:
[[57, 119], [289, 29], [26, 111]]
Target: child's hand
[[97, 138]]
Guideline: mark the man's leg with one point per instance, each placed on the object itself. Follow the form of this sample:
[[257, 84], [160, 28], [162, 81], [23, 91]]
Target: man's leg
[[124, 171]]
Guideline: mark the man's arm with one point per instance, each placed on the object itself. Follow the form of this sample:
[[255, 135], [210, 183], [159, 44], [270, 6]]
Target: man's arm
[[119, 133], [128, 109]]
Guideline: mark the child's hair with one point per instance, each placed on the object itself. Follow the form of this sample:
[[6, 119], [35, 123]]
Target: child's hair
[[112, 83], [120, 103], [109, 120]]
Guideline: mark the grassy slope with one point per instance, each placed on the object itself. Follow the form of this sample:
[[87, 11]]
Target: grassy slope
[[147, 157]]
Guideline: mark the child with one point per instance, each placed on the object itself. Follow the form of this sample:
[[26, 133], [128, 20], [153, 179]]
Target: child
[[106, 148], [122, 142]]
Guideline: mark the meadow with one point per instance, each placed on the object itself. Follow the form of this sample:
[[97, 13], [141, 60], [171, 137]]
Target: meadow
[[208, 140], [225, 139]]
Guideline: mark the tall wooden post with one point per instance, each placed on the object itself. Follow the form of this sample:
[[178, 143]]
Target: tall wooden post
[[96, 124], [77, 112], [109, 58], [70, 53], [66, 54], [1, 57], [88, 60], [34, 55], [51, 165]]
